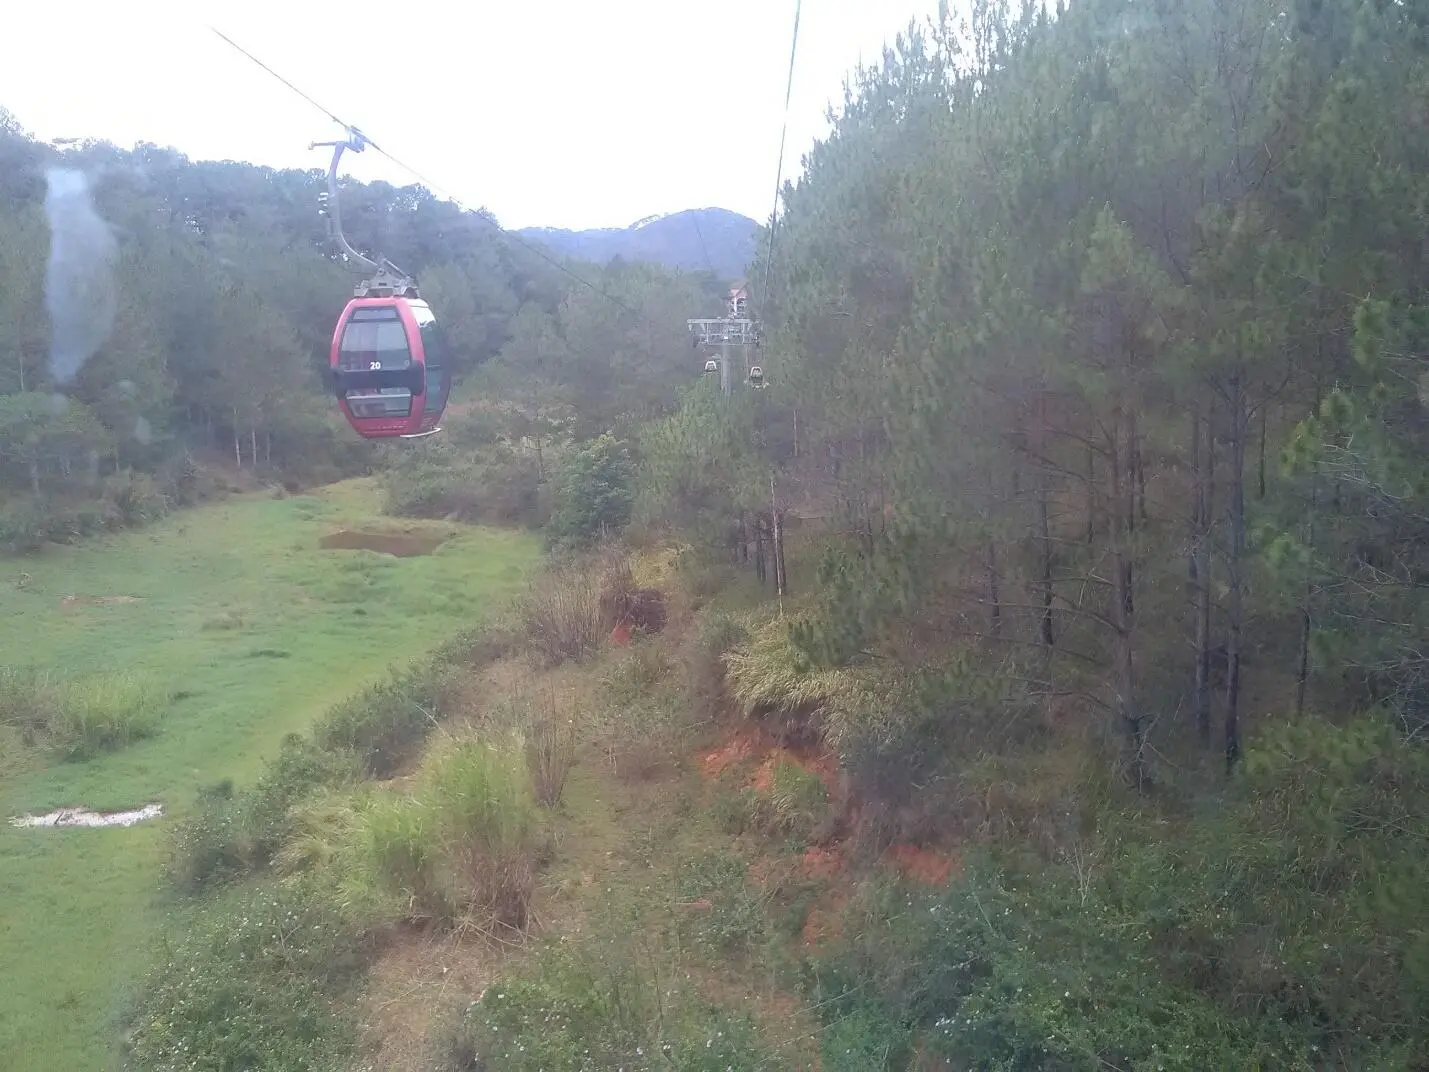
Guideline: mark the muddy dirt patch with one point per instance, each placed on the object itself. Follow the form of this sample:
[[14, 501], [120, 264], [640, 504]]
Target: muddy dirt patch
[[96, 601], [400, 544]]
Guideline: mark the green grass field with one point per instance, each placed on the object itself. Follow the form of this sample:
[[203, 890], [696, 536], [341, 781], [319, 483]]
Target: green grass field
[[254, 630]]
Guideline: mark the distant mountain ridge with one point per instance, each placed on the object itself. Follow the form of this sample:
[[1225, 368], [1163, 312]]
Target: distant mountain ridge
[[695, 238]]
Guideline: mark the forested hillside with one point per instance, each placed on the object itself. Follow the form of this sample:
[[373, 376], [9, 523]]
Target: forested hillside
[[202, 296], [1100, 334], [713, 239]]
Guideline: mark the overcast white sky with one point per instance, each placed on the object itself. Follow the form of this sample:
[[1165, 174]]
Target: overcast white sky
[[566, 113]]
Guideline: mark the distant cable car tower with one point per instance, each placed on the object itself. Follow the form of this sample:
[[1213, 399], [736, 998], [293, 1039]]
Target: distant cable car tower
[[735, 328]]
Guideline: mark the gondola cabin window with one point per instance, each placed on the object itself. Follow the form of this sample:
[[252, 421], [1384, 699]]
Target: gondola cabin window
[[434, 351], [375, 340], [385, 402]]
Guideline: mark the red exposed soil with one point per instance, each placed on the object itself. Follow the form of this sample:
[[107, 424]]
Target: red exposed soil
[[820, 862], [822, 765], [751, 741], [824, 921], [924, 865], [747, 741], [826, 862]]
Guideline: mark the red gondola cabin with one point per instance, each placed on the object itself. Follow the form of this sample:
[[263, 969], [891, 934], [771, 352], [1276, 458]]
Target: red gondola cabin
[[389, 367]]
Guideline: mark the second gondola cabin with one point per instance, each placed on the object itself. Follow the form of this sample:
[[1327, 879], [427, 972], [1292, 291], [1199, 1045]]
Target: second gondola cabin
[[389, 367]]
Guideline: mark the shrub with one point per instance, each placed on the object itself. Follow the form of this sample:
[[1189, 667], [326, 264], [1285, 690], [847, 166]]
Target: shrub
[[230, 836], [798, 800], [550, 747], [386, 723], [594, 493], [561, 614], [643, 721], [735, 921], [1283, 929], [718, 635], [573, 1012], [104, 714], [22, 525], [462, 846], [770, 679], [252, 981], [492, 483], [135, 498], [29, 701]]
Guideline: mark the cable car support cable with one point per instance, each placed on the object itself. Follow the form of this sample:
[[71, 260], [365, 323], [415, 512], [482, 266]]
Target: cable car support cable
[[779, 166], [511, 236]]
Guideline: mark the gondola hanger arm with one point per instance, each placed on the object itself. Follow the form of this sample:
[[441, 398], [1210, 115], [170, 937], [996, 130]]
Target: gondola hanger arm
[[356, 141]]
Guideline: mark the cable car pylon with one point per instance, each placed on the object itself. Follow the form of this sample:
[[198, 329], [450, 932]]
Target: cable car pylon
[[736, 328]]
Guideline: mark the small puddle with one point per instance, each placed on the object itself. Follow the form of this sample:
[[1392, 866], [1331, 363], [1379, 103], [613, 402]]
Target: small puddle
[[85, 817], [401, 544]]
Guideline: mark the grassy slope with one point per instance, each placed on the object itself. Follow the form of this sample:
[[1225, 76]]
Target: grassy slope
[[258, 630]]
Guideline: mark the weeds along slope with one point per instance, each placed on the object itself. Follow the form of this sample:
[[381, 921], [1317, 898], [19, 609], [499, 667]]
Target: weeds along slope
[[147, 664], [479, 799], [696, 847]]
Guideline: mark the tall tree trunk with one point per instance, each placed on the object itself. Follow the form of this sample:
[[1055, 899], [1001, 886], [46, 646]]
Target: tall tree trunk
[[1091, 494], [759, 567], [781, 579], [1260, 476], [994, 596], [237, 443], [1044, 527], [1237, 583], [253, 445], [1201, 559], [1302, 670], [1139, 468], [1120, 483]]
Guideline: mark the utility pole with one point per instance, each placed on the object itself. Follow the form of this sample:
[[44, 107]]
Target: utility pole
[[734, 329]]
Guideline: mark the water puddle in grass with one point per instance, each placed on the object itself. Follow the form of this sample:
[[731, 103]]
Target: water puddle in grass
[[85, 817]]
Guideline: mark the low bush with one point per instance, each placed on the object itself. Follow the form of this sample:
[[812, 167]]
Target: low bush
[[732, 920], [103, 714], [463, 845], [642, 724], [796, 802], [135, 498], [230, 835], [253, 980], [575, 1011], [549, 736], [718, 635], [493, 483], [386, 724], [1283, 933], [79, 719], [561, 613], [29, 701]]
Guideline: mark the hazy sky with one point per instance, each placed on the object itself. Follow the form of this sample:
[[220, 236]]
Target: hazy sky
[[567, 113]]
